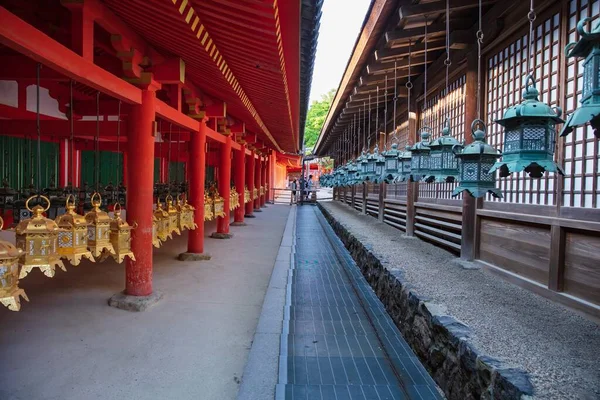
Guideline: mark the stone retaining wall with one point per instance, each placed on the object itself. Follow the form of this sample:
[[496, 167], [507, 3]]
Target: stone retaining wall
[[438, 339]]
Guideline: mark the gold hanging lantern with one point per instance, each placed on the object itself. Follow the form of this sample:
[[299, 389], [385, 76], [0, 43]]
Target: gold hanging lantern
[[155, 240], [173, 215], [208, 208], [234, 199], [247, 196], [254, 194], [218, 203], [186, 215], [120, 237], [10, 292], [98, 229], [163, 231], [73, 237], [38, 238], [262, 190]]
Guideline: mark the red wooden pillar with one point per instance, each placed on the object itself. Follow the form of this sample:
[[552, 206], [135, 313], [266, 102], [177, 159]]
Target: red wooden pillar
[[263, 180], [257, 179], [77, 170], [197, 174], [273, 164], [224, 190], [64, 157], [250, 172], [240, 166], [138, 273]]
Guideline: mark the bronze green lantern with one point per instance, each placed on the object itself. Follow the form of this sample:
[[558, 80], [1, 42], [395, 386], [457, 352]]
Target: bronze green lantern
[[476, 161], [363, 167], [405, 159], [443, 165], [420, 156], [392, 164], [371, 160], [529, 136], [351, 171], [379, 166], [588, 47]]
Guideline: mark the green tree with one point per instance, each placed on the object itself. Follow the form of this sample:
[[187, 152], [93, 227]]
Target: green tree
[[316, 118]]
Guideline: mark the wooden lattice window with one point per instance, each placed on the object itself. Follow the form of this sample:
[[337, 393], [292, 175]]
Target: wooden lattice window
[[506, 72], [434, 115], [582, 159]]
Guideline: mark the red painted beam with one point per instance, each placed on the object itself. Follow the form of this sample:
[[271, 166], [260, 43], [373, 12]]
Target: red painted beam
[[172, 115], [61, 128], [24, 38]]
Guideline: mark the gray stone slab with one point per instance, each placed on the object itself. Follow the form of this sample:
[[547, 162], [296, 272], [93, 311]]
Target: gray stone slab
[[134, 303]]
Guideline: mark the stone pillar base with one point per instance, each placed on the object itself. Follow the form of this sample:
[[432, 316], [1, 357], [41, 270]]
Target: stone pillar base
[[238, 224], [249, 216], [134, 303], [193, 257], [219, 235]]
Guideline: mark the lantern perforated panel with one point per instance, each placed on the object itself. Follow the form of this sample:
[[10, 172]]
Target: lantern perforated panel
[[506, 70], [434, 116], [398, 190], [582, 155]]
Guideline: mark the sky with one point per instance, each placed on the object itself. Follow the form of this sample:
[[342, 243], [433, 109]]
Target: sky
[[340, 25]]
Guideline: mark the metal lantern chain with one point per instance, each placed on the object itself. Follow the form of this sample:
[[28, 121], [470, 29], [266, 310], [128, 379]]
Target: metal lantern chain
[[447, 61], [479, 36], [531, 16]]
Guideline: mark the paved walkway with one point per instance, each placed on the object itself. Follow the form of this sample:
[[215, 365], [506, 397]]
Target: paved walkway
[[337, 341], [68, 344]]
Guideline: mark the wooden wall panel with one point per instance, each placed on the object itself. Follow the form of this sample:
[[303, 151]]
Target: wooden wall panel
[[582, 266], [522, 249]]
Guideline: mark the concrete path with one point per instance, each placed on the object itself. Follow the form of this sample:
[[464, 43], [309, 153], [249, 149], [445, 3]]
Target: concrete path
[[68, 344]]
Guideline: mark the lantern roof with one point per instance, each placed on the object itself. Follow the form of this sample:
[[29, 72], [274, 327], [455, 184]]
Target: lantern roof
[[446, 139], [37, 223], [530, 107], [70, 217], [479, 146], [96, 216], [160, 211], [587, 40], [423, 145]]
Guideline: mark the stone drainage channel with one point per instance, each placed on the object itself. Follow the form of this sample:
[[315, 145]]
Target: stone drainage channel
[[337, 340]]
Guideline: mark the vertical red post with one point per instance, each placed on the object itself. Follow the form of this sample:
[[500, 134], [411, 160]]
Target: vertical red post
[[250, 184], [77, 172], [197, 173], [138, 273], [263, 180], [273, 160], [240, 169], [224, 189], [257, 179], [64, 156]]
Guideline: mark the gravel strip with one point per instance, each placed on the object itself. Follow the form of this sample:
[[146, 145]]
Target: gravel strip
[[556, 346]]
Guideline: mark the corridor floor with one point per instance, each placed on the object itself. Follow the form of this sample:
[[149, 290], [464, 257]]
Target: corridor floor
[[338, 342]]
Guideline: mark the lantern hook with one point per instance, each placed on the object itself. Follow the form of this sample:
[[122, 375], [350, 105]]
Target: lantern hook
[[94, 195], [40, 196]]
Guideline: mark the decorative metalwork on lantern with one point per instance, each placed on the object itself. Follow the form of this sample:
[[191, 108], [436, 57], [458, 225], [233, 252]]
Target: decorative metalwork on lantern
[[588, 46], [371, 160], [262, 190], [529, 136], [186, 215], [163, 228], [10, 292], [363, 160], [98, 228], [392, 164], [155, 239], [477, 159], [208, 208], [173, 215], [405, 158], [351, 173], [420, 156], [443, 165], [379, 165], [254, 194], [218, 202], [234, 199], [73, 237], [37, 237], [247, 195], [120, 237]]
